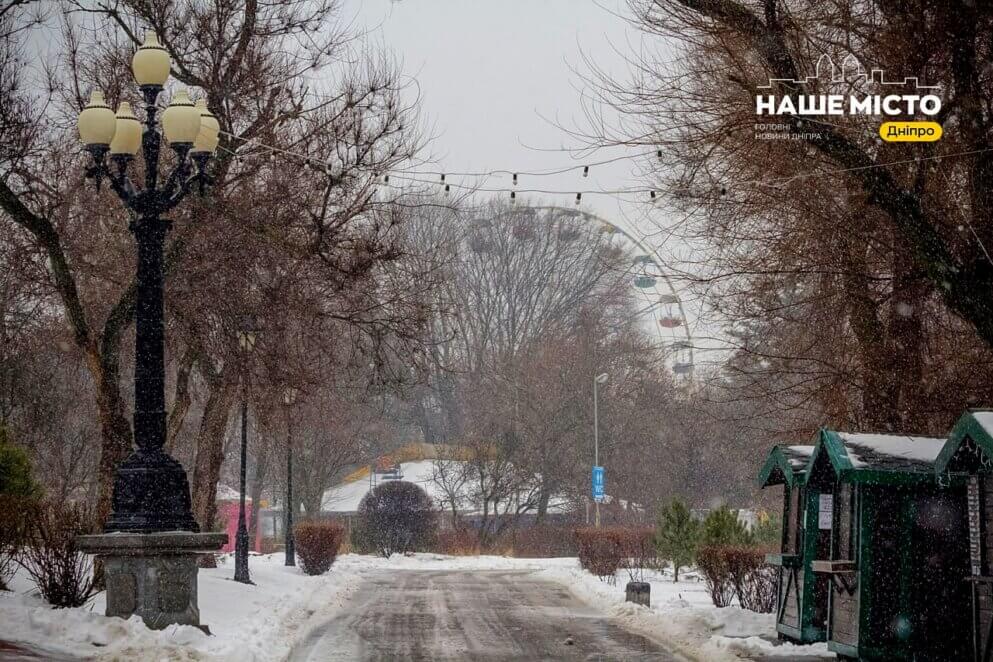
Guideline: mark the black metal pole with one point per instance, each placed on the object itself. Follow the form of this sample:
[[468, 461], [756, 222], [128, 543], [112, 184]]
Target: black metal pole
[[241, 538], [291, 558], [151, 491]]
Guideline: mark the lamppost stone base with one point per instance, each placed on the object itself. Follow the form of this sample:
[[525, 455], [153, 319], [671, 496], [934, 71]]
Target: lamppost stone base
[[153, 575]]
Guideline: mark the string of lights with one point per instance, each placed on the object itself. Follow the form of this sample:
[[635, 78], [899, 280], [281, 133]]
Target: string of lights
[[443, 179]]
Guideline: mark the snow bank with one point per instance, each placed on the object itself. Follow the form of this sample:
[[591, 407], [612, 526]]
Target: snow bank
[[683, 616], [249, 623]]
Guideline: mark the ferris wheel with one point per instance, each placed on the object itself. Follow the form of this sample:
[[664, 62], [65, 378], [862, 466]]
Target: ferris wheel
[[659, 304]]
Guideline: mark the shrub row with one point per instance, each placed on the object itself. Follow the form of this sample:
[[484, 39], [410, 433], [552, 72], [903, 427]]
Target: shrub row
[[604, 551], [740, 571]]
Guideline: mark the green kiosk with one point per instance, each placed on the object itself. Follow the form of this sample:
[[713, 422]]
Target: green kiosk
[[968, 453], [801, 603], [895, 563]]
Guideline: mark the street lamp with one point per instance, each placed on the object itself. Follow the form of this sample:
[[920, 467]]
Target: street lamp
[[151, 541], [247, 337], [289, 399], [151, 491], [597, 381]]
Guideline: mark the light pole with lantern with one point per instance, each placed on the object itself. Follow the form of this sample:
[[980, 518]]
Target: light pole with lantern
[[151, 539], [289, 399], [247, 336], [597, 381], [151, 492]]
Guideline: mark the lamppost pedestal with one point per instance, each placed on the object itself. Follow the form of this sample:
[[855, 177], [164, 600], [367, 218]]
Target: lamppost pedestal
[[153, 575], [152, 541]]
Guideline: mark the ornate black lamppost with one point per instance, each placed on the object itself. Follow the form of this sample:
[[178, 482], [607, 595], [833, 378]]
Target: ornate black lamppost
[[247, 335], [289, 398], [150, 489], [151, 538]]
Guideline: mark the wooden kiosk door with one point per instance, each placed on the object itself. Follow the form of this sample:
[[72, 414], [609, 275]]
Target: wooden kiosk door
[[844, 604], [791, 572]]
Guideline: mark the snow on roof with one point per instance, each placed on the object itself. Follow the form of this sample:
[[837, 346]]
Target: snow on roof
[[890, 451], [798, 456], [985, 418], [346, 496]]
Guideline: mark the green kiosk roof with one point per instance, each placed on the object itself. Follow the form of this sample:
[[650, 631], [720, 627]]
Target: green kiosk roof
[[785, 465], [877, 458], [970, 445]]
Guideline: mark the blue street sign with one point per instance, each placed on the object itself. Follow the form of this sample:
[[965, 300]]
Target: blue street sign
[[598, 479]]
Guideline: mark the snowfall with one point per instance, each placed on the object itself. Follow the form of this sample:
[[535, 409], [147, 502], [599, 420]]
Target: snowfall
[[263, 622]]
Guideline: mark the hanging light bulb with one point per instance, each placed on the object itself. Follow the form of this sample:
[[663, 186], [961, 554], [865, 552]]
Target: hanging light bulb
[[659, 154], [448, 187], [652, 194], [386, 179], [515, 179], [442, 178], [586, 171], [579, 197], [513, 197]]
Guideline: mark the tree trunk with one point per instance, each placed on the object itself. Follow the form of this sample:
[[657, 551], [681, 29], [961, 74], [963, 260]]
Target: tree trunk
[[255, 490], [210, 453], [311, 499], [543, 497], [181, 401], [115, 430]]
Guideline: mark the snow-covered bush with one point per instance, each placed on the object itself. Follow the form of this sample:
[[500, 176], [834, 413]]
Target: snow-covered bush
[[61, 572], [317, 543], [397, 517]]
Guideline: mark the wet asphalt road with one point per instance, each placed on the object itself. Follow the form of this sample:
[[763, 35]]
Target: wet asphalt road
[[488, 616], [15, 653]]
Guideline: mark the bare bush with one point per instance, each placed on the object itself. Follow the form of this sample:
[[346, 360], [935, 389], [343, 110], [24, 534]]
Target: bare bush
[[601, 551], [754, 581], [638, 544], [50, 555], [713, 564]]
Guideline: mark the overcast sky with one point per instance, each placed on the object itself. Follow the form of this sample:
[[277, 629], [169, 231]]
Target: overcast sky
[[500, 79], [498, 76]]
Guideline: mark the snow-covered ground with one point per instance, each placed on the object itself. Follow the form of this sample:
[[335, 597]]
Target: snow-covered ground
[[248, 623], [264, 621]]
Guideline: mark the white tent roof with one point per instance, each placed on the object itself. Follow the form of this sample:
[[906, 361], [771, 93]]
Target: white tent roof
[[345, 497]]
